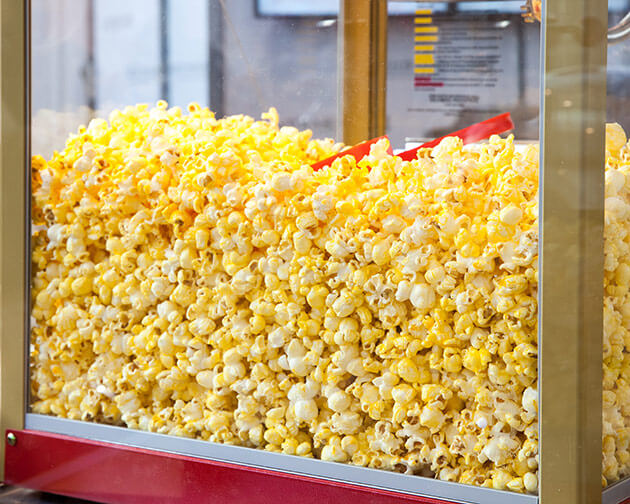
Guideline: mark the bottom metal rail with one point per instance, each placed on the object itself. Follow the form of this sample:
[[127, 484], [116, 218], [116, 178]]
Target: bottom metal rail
[[618, 493], [340, 473]]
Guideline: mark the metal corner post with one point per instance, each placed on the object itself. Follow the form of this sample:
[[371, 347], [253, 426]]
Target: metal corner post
[[573, 118], [13, 138], [362, 68]]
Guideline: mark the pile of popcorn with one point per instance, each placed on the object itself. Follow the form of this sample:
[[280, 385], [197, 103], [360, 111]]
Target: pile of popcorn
[[196, 277], [616, 385]]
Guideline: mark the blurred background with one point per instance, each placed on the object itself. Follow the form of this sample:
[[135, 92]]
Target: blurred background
[[449, 63]]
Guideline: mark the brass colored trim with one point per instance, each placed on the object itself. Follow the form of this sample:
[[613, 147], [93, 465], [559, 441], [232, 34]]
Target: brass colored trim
[[362, 67], [572, 203], [12, 217]]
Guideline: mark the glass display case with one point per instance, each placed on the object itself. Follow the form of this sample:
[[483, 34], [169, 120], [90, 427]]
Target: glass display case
[[364, 250]]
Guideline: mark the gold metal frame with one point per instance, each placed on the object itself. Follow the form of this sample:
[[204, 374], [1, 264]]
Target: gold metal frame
[[362, 69], [572, 203], [13, 124]]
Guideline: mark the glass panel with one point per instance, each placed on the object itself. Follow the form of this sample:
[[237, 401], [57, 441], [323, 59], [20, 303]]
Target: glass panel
[[217, 54], [618, 103], [452, 64], [110, 343], [193, 277], [616, 414]]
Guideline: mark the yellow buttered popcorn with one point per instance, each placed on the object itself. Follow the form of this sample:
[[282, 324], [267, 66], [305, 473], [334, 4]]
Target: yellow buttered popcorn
[[195, 276], [616, 395]]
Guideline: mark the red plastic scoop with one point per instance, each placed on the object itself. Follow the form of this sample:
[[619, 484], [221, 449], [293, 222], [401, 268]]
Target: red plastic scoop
[[358, 152], [474, 133]]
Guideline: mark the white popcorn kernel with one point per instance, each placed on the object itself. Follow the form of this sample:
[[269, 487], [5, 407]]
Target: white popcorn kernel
[[204, 378], [615, 181], [339, 401], [306, 410], [617, 207], [511, 215], [342, 307], [481, 422], [615, 137], [403, 291], [333, 453], [500, 448], [281, 182], [530, 480], [82, 164], [422, 296], [393, 224], [55, 234], [278, 337]]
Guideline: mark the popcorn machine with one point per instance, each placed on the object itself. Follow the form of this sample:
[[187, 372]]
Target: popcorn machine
[[357, 296]]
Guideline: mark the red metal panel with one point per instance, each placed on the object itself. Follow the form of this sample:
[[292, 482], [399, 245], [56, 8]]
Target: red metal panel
[[121, 474]]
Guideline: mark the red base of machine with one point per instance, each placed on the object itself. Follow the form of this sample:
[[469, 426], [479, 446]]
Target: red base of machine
[[119, 474]]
